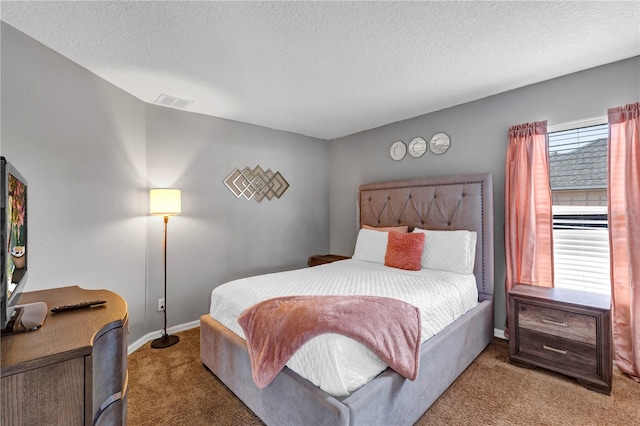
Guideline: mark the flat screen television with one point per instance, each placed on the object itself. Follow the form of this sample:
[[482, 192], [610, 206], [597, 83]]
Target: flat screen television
[[15, 257]]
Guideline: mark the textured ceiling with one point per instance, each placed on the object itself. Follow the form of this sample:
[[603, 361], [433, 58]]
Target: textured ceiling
[[328, 69]]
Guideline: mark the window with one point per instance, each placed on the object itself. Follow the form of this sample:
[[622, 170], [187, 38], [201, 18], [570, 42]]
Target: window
[[578, 175]]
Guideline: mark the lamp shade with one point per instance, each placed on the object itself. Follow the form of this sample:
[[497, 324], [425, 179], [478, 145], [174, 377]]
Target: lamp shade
[[164, 202]]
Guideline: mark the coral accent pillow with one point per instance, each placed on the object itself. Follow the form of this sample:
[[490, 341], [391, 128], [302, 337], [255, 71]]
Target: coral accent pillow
[[404, 251], [387, 228]]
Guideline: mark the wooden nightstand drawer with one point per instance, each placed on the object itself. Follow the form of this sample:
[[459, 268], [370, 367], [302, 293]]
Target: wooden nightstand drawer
[[556, 322], [571, 354]]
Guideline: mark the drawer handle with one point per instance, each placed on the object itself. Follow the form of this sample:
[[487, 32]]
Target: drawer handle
[[107, 402], [113, 398], [552, 322], [552, 349]]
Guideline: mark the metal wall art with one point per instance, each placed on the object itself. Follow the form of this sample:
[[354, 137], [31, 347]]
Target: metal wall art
[[439, 144], [398, 150], [417, 147], [257, 183]]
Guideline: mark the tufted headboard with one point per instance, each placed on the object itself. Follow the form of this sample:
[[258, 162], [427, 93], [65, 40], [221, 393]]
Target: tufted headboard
[[439, 203]]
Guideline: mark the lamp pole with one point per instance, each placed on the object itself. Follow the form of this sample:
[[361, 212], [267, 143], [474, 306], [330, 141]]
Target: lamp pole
[[165, 340]]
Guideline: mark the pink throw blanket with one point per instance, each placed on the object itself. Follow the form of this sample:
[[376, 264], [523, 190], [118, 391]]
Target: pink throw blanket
[[276, 328]]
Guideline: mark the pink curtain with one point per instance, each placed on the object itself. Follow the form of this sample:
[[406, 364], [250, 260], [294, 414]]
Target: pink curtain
[[624, 235], [528, 227]]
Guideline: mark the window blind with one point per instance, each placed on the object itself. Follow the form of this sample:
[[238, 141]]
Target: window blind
[[578, 176], [581, 248]]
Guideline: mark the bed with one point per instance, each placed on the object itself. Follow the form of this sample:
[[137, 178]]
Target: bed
[[443, 203]]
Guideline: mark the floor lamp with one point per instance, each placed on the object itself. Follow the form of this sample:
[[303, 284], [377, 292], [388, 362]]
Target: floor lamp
[[164, 202]]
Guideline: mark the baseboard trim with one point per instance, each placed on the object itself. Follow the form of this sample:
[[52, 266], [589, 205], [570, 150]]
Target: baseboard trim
[[499, 334], [155, 334]]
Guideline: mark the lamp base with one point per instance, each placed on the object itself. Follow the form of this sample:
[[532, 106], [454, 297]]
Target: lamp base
[[164, 341]]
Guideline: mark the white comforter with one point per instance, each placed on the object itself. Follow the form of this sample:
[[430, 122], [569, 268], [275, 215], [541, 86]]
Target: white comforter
[[335, 363]]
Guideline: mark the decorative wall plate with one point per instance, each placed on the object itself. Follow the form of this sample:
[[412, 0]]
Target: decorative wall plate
[[440, 143], [417, 147], [398, 150]]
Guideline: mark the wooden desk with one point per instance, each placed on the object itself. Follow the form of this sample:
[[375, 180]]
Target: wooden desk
[[73, 370]]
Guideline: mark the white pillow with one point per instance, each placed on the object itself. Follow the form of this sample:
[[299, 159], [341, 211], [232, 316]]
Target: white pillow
[[453, 251], [371, 246]]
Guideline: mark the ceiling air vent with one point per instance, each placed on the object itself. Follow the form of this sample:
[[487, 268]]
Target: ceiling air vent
[[172, 101]]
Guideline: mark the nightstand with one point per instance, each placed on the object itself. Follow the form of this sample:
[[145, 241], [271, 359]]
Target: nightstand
[[321, 259], [562, 330]]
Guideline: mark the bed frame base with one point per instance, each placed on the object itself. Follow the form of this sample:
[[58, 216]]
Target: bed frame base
[[388, 399]]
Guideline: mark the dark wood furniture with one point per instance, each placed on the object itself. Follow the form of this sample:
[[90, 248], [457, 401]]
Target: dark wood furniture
[[72, 370], [563, 330], [321, 259]]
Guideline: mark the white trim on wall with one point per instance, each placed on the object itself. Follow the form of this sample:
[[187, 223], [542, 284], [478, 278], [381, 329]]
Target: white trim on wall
[[576, 124], [158, 333]]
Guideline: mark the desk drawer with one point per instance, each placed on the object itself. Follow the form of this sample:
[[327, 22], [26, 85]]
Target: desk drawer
[[557, 322], [571, 354]]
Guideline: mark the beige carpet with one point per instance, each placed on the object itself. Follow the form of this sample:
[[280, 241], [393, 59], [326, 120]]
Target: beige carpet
[[171, 387]]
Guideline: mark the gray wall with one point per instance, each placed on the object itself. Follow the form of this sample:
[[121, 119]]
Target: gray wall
[[90, 152], [478, 131], [80, 143], [220, 237]]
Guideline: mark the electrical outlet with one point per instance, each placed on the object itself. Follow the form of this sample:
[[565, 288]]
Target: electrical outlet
[[161, 304]]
